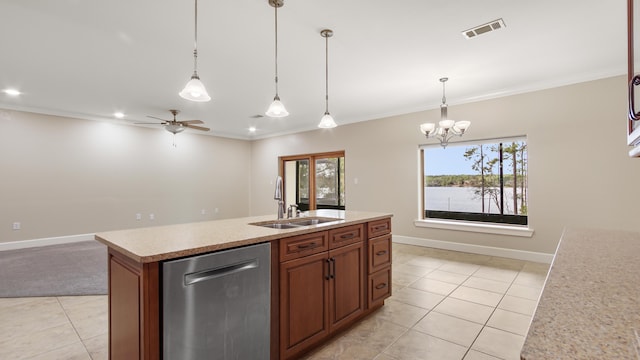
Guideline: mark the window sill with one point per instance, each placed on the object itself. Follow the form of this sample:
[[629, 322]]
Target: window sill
[[513, 230]]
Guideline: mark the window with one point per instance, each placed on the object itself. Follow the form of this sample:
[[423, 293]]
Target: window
[[325, 190], [477, 181]]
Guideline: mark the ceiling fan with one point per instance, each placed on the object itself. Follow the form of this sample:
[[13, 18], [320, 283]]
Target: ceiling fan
[[174, 126]]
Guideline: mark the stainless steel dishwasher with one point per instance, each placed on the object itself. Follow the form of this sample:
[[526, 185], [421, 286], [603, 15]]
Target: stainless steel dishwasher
[[217, 305]]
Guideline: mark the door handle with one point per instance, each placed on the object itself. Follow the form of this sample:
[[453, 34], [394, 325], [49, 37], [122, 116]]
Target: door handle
[[333, 263], [633, 115], [328, 269]]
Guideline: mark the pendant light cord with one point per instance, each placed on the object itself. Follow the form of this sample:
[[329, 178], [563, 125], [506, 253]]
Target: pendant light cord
[[326, 73], [276, 57], [195, 42]]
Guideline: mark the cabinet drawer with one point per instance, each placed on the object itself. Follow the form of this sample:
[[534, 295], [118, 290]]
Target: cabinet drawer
[[379, 253], [303, 245], [379, 228], [379, 287], [346, 235]]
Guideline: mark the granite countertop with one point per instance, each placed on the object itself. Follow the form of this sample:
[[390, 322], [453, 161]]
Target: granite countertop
[[590, 305], [158, 243]]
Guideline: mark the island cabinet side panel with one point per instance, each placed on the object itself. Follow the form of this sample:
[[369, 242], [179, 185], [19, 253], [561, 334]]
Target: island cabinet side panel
[[134, 312]]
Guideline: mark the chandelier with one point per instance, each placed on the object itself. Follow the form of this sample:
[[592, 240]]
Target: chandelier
[[447, 128]]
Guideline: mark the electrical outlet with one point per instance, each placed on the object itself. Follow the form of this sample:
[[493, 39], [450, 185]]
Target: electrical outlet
[[16, 226], [138, 216], [152, 217]]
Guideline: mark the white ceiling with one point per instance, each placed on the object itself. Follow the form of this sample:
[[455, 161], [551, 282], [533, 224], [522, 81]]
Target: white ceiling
[[89, 58]]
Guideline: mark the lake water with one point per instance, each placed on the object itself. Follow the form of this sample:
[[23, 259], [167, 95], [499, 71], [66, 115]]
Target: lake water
[[463, 199]]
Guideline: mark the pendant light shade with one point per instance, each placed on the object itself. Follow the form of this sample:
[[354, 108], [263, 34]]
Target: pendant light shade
[[327, 121], [194, 90], [276, 109]]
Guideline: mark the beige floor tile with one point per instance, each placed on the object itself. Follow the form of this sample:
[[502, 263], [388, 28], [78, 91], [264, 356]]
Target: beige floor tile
[[74, 351], [468, 257], [459, 267], [376, 333], [23, 318], [344, 348], [98, 347], [510, 321], [415, 297], [498, 274], [465, 310], [518, 305], [524, 292], [412, 269], [414, 345], [89, 317], [384, 357], [38, 342], [445, 276], [453, 329], [402, 279], [487, 284], [403, 258], [499, 343], [434, 286], [427, 262], [537, 268], [478, 296], [400, 313], [530, 279], [477, 355]]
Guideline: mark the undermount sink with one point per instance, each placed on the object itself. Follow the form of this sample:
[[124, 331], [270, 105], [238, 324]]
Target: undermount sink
[[295, 222]]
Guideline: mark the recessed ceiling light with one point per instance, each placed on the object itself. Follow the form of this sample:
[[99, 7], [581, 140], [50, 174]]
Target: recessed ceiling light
[[12, 92], [118, 115]]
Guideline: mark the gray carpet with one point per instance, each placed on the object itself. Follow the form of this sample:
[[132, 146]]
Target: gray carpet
[[78, 268]]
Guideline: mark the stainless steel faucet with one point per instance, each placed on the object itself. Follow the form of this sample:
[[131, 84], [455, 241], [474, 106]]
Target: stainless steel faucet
[[278, 196]]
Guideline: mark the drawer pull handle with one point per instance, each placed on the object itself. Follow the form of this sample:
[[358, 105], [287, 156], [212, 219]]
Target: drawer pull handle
[[347, 236], [380, 227], [306, 246], [381, 252], [381, 286]]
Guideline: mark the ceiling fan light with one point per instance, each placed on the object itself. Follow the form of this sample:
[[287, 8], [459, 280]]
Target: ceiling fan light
[[174, 128], [195, 90], [327, 122], [276, 109]]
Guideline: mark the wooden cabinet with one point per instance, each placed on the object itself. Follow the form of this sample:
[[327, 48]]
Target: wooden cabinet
[[134, 308], [323, 292], [379, 262]]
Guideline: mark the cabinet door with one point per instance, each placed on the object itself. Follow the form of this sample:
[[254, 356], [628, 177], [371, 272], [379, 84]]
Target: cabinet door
[[304, 311], [347, 284]]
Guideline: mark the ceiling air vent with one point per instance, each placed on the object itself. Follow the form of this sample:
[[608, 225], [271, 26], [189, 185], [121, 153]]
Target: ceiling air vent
[[484, 28]]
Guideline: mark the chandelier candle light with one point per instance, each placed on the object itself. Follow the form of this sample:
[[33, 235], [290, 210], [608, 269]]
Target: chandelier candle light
[[448, 128], [276, 109], [194, 90], [327, 121]]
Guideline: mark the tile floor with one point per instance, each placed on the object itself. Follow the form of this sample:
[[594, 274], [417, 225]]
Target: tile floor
[[445, 305]]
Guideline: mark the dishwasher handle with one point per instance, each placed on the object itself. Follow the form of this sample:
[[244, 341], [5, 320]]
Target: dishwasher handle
[[196, 277]]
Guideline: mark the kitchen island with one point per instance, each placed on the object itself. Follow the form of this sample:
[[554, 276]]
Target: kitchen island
[[325, 276], [590, 305]]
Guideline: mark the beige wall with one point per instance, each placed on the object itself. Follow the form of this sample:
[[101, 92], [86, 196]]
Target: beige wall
[[579, 171], [63, 176]]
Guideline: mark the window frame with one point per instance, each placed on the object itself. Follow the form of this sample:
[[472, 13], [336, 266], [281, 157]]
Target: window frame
[[485, 219]]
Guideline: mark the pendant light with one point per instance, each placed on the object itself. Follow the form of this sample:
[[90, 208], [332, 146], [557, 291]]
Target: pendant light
[[447, 128], [194, 90], [276, 109], [327, 121]]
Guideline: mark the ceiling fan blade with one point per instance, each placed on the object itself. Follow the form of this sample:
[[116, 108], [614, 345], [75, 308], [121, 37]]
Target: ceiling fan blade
[[197, 127], [192, 122], [151, 123], [157, 118]]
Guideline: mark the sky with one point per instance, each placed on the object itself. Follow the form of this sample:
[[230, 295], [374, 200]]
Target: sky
[[447, 161]]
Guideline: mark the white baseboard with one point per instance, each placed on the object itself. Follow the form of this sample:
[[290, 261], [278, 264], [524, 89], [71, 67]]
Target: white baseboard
[[476, 249], [13, 245]]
